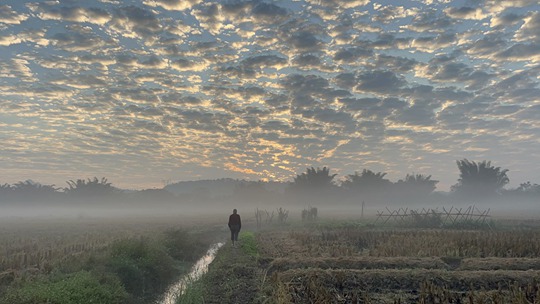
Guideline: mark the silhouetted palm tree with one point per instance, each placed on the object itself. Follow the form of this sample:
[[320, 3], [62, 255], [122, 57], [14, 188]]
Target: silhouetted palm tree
[[419, 182], [313, 186], [367, 180], [90, 187], [6, 192], [31, 191], [30, 187], [479, 179], [414, 188], [528, 187], [314, 178], [367, 186]]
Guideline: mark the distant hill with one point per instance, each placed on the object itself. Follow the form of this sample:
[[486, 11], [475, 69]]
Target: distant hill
[[217, 187]]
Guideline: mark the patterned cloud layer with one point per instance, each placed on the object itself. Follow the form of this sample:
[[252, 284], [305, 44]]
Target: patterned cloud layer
[[151, 90]]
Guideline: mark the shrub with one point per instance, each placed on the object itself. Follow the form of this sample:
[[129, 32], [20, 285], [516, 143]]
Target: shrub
[[183, 246], [428, 220], [309, 214], [143, 266]]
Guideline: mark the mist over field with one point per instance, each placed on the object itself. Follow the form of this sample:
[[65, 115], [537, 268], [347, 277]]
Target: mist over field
[[479, 184]]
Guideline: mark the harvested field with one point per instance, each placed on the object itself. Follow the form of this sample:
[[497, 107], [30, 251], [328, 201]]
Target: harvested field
[[500, 264], [388, 280], [378, 265], [283, 264]]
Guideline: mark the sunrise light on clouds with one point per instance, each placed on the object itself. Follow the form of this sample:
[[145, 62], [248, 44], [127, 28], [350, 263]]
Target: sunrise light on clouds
[[153, 90]]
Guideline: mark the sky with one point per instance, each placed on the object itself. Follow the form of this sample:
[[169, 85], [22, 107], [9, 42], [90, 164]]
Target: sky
[[154, 91]]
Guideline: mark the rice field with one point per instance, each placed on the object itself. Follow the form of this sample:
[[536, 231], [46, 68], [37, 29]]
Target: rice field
[[365, 264], [37, 245], [310, 262]]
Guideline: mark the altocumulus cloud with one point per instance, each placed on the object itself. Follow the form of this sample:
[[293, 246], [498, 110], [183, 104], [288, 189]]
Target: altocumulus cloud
[[174, 89]]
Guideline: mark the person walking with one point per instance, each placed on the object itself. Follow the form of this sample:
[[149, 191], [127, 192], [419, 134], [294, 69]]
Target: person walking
[[235, 224]]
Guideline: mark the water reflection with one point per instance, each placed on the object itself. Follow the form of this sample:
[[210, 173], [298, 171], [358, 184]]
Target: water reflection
[[196, 272]]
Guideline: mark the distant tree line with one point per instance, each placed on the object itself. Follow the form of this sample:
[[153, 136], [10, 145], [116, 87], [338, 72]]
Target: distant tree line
[[30, 191], [477, 181]]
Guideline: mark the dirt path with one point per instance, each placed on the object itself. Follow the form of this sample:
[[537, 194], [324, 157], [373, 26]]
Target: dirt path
[[233, 276]]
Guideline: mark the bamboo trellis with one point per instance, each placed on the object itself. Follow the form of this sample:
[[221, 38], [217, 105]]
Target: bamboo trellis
[[451, 216]]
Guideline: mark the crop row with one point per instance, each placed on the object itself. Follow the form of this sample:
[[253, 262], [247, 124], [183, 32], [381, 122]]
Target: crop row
[[342, 264], [402, 286], [419, 243], [367, 262]]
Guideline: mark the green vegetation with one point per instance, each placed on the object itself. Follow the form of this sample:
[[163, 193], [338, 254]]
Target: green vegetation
[[127, 270], [194, 293], [183, 246], [82, 287], [248, 244], [142, 265]]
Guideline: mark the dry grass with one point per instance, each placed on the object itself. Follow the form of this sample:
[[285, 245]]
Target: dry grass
[[30, 246], [369, 265], [361, 262], [418, 243], [388, 280]]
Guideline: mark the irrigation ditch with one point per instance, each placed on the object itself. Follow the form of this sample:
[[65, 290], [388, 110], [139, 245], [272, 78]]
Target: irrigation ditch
[[198, 269]]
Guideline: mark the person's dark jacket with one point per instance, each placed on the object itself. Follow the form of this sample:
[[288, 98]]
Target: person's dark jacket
[[234, 220]]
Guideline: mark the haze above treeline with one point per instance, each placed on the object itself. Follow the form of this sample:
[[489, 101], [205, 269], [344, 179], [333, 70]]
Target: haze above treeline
[[477, 182]]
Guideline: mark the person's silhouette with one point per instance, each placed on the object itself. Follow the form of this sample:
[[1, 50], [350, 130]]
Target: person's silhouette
[[235, 224]]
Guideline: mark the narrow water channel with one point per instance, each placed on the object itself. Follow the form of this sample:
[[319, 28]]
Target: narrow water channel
[[196, 272]]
